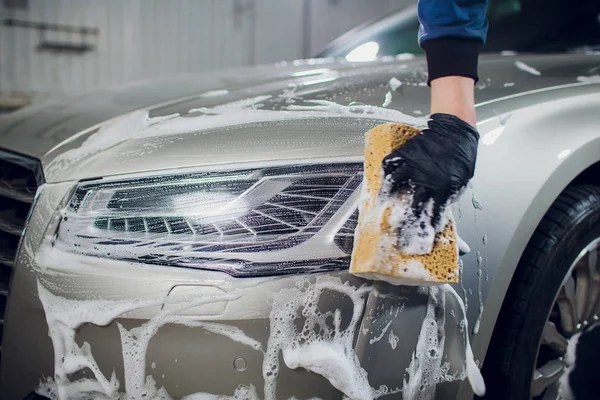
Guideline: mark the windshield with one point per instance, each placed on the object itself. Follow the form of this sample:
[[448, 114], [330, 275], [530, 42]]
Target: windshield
[[518, 25]]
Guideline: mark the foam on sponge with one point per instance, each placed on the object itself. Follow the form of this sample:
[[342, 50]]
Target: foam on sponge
[[376, 254]]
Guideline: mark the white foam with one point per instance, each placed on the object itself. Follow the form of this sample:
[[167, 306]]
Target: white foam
[[564, 387], [473, 372], [395, 84], [321, 345], [589, 79], [65, 317], [526, 68], [476, 203], [393, 340], [359, 110], [479, 293], [418, 233], [110, 134], [426, 369], [214, 93], [139, 124], [388, 99], [332, 361], [426, 364], [383, 331], [241, 393], [462, 245], [234, 105]]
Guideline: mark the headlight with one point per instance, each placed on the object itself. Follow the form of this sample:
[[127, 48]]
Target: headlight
[[246, 223]]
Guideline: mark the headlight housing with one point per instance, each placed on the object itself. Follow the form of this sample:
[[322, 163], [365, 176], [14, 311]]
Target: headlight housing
[[248, 222]]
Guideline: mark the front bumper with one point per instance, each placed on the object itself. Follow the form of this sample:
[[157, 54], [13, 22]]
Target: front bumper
[[189, 331]]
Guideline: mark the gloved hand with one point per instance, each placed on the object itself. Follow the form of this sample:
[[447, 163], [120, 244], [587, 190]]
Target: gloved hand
[[434, 168]]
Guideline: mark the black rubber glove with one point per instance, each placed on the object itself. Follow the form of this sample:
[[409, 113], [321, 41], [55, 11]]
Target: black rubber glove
[[434, 167]]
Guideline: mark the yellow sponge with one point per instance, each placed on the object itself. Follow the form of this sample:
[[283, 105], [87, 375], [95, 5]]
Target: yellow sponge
[[375, 254]]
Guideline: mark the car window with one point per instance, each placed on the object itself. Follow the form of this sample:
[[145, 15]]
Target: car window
[[519, 25]]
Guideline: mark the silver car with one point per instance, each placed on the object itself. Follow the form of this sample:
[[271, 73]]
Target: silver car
[[191, 237]]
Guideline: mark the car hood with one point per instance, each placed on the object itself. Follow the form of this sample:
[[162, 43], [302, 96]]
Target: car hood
[[311, 109]]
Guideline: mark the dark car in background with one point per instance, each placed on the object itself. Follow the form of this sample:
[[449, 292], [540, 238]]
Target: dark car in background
[[546, 26]]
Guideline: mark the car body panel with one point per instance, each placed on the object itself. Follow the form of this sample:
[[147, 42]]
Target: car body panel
[[342, 83], [529, 152]]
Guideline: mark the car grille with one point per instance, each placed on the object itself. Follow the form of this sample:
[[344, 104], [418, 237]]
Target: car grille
[[19, 179]]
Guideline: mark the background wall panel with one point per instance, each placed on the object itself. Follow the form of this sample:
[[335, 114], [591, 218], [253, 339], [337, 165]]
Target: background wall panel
[[141, 39]]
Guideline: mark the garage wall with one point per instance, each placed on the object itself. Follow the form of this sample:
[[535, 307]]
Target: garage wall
[[140, 39]]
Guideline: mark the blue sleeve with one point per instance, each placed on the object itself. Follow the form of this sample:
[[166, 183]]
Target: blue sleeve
[[453, 18]]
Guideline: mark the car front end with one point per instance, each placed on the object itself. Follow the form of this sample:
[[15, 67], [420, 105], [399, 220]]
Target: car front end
[[200, 247]]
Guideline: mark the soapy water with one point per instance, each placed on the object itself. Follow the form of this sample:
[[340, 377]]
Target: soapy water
[[395, 84], [139, 124], [476, 203], [393, 340], [358, 110], [526, 68], [301, 333], [479, 292], [241, 393], [589, 79], [417, 231], [65, 317], [322, 345], [472, 370], [383, 331], [388, 100], [427, 367]]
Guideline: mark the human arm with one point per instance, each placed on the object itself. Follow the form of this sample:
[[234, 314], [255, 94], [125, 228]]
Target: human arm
[[435, 166]]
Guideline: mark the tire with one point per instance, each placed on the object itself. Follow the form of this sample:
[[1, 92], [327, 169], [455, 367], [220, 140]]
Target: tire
[[571, 224]]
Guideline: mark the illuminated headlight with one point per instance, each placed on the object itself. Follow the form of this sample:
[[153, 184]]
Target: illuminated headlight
[[246, 223]]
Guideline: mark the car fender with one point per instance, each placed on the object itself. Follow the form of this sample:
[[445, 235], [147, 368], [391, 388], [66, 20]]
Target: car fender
[[527, 157]]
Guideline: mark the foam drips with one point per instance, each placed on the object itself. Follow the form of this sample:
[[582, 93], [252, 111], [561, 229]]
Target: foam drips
[[65, 317], [383, 331], [427, 368], [393, 340], [321, 345], [473, 372], [395, 84], [241, 393], [526, 68], [388, 100]]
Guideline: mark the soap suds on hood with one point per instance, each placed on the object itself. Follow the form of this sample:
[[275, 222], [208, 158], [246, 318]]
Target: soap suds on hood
[[234, 105], [110, 134], [388, 100], [395, 84], [393, 340], [589, 79], [358, 110], [526, 68]]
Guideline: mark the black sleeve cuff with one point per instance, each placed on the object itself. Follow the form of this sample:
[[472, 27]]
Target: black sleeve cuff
[[452, 56]]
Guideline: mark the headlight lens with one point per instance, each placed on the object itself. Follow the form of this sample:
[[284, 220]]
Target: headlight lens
[[246, 223]]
